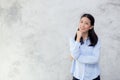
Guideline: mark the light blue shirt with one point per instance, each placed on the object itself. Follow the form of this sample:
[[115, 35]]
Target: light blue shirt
[[85, 63]]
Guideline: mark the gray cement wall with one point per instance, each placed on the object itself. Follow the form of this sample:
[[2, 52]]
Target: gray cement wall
[[34, 37]]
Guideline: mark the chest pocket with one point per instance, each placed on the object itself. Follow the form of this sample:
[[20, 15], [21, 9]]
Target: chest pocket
[[89, 50], [86, 50]]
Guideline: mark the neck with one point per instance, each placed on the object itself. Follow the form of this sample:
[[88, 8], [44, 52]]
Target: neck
[[85, 35]]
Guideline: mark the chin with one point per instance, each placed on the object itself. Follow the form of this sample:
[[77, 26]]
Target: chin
[[85, 31]]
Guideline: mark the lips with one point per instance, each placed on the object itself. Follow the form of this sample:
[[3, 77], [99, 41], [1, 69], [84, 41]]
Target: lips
[[82, 29]]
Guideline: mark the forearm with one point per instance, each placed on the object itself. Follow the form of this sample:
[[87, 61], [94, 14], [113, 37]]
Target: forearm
[[88, 59]]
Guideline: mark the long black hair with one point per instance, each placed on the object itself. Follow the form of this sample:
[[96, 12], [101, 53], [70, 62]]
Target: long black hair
[[91, 33]]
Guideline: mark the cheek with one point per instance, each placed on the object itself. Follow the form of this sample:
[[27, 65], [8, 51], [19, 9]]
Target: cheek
[[87, 27]]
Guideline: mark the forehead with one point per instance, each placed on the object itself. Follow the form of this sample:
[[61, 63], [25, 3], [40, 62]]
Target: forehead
[[85, 19]]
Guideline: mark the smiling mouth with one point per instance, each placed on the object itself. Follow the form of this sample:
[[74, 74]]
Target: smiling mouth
[[82, 29]]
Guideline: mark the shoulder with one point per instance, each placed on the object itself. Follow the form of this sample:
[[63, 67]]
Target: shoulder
[[98, 43], [71, 39]]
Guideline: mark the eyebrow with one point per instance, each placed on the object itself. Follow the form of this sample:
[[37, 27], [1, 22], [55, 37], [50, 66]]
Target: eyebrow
[[85, 21]]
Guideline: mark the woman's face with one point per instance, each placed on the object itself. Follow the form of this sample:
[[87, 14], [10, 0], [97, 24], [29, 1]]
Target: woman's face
[[85, 24]]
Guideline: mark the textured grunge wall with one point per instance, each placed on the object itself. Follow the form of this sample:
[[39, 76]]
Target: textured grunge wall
[[34, 37]]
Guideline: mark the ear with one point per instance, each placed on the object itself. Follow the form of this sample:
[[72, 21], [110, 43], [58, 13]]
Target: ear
[[91, 27]]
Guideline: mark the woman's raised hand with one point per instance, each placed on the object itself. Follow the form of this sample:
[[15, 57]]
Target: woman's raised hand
[[79, 35]]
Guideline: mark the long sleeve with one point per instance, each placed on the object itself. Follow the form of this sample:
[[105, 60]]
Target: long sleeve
[[94, 58], [74, 48]]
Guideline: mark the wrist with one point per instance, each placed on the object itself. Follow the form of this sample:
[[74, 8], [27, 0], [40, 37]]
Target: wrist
[[78, 39]]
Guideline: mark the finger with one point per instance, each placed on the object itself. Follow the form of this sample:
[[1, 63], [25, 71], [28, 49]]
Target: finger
[[80, 30]]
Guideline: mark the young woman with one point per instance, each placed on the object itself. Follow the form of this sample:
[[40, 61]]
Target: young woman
[[85, 49]]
